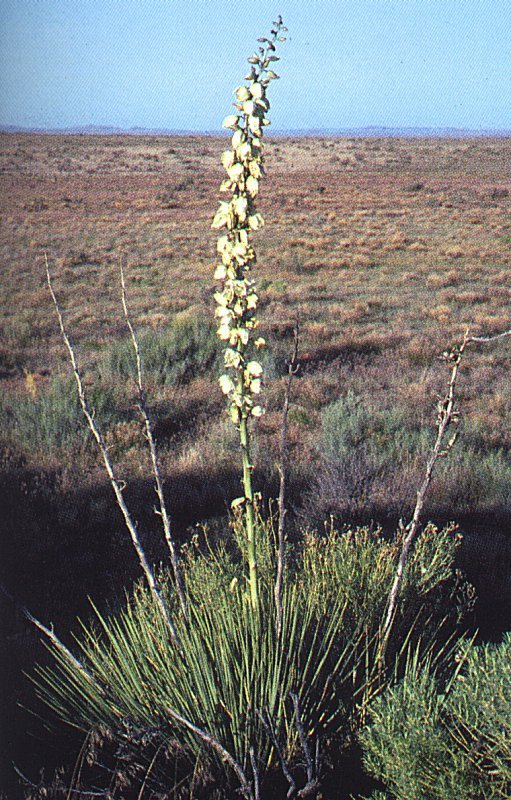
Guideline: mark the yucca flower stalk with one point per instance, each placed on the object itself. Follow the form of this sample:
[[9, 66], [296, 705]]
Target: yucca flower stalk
[[237, 299]]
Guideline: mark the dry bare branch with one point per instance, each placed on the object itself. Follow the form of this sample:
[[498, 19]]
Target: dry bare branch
[[312, 784], [268, 726], [144, 411], [292, 369], [117, 485], [447, 414], [49, 633], [491, 338], [224, 754]]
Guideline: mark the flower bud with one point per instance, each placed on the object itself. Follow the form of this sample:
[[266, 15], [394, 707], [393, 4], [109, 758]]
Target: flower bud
[[235, 416]]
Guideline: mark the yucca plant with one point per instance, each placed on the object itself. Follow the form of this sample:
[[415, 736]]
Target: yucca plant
[[235, 685], [236, 695]]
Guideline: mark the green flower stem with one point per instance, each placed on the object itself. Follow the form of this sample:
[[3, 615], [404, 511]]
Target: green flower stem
[[249, 512]]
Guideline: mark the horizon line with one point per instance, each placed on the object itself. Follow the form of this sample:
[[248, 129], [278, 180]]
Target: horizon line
[[361, 131]]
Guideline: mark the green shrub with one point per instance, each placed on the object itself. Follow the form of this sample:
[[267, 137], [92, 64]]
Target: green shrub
[[170, 357], [52, 420], [429, 739], [350, 425], [233, 666]]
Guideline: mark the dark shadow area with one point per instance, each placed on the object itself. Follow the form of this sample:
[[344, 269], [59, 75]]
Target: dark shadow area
[[60, 548], [58, 552]]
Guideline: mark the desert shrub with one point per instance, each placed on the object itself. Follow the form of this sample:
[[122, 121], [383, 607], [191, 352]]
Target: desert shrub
[[51, 419], [349, 425], [234, 670], [369, 459], [476, 479], [189, 347], [446, 740]]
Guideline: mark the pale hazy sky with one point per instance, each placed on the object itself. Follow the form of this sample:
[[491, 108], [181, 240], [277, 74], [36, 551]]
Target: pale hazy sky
[[174, 63]]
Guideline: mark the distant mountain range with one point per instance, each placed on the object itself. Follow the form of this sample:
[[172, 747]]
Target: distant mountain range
[[373, 131]]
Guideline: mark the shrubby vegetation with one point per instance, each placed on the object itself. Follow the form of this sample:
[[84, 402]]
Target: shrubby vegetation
[[188, 348], [445, 737], [235, 677]]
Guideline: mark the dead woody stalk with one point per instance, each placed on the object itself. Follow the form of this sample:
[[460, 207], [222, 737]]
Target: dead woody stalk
[[292, 369], [117, 485], [148, 430], [447, 416]]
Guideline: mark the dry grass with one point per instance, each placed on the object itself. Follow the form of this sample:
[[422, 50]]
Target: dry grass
[[386, 250]]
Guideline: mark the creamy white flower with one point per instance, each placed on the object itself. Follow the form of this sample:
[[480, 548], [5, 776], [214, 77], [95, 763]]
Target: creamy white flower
[[237, 138], [231, 121], [226, 384], [244, 151], [240, 206], [252, 185], [220, 273], [221, 298], [222, 216], [254, 123], [223, 243], [254, 368], [256, 90], [255, 221], [236, 171], [223, 313], [224, 331], [232, 358], [255, 169], [227, 158], [242, 93]]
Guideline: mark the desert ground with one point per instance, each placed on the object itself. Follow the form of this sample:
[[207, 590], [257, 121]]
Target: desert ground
[[385, 250]]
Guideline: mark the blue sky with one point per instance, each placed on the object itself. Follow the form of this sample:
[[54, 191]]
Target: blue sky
[[174, 63]]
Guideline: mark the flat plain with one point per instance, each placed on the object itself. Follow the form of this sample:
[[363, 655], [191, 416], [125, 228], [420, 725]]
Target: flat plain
[[385, 250]]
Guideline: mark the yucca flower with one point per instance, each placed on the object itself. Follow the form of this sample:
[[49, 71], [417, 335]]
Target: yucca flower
[[237, 299]]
